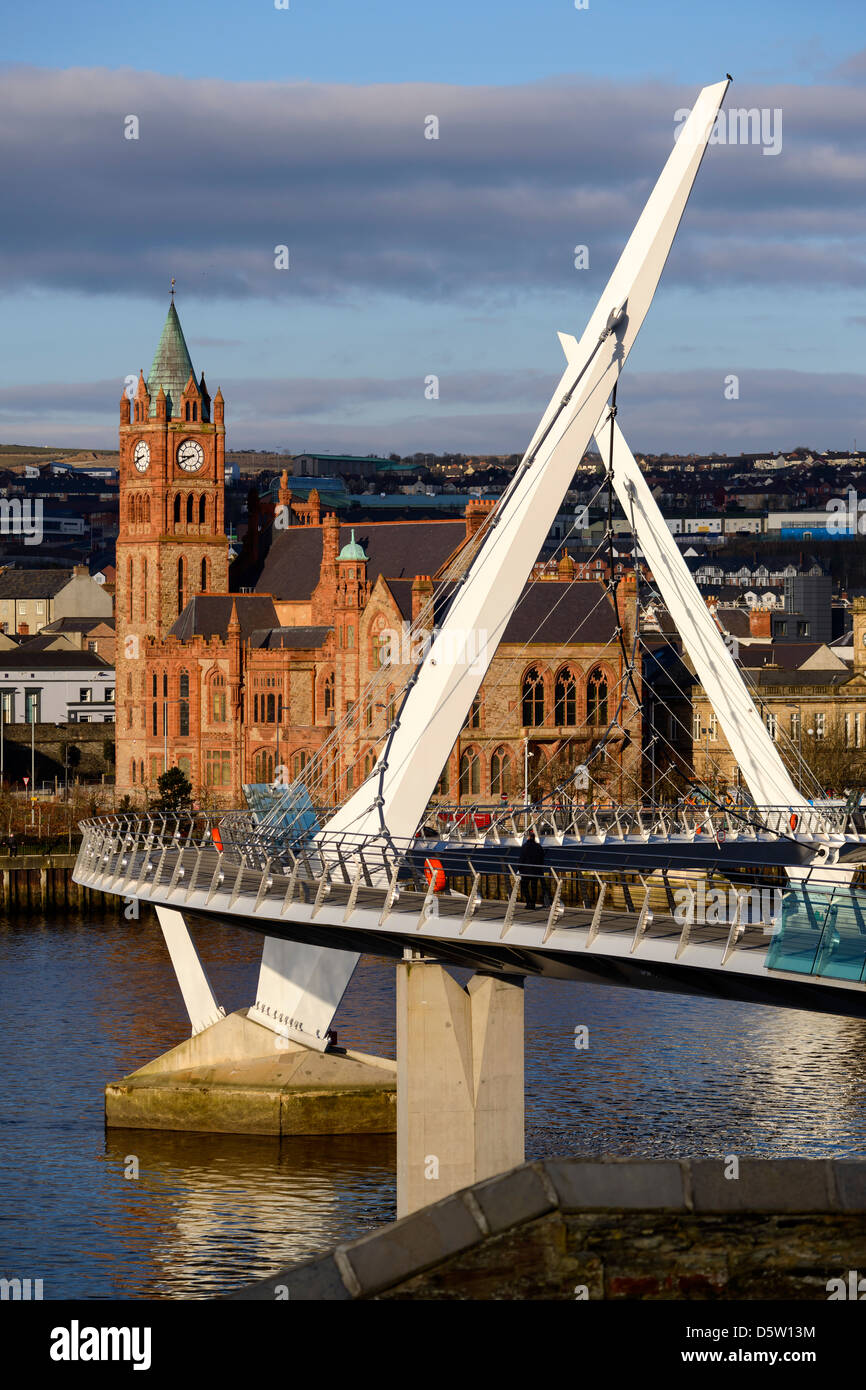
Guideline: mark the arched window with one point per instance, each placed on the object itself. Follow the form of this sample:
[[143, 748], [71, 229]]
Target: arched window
[[180, 586], [129, 587], [144, 588], [133, 771], [131, 509], [204, 576], [202, 510], [189, 501], [444, 783], [532, 698], [500, 772], [186, 410], [470, 773], [272, 709], [183, 707], [195, 410], [141, 771], [177, 506], [218, 699], [564, 698], [299, 762], [264, 766], [147, 508], [596, 697], [329, 698]]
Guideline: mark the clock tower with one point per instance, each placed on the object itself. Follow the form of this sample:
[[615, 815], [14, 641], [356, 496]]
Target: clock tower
[[171, 542]]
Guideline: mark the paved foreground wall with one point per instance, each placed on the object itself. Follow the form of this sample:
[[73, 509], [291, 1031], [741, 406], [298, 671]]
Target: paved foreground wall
[[613, 1229]]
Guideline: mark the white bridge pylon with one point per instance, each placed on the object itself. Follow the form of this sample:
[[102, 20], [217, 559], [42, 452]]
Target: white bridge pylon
[[748, 738], [393, 799]]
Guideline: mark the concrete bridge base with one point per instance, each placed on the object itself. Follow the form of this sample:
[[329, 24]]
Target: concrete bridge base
[[239, 1077], [459, 1081]]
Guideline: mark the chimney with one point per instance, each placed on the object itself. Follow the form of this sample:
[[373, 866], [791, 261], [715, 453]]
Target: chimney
[[476, 514], [422, 592], [760, 624]]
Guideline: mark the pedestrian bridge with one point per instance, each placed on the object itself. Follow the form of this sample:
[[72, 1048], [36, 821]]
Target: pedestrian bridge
[[745, 933]]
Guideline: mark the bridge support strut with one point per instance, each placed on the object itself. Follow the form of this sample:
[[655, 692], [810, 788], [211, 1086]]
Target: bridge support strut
[[459, 1081]]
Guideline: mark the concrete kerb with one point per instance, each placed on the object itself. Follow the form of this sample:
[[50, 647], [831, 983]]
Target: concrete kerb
[[386, 1257]]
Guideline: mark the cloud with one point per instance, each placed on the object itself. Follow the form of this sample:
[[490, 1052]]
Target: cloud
[[223, 173], [478, 412]]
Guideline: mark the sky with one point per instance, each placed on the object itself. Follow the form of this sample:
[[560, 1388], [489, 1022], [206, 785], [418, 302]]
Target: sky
[[255, 127]]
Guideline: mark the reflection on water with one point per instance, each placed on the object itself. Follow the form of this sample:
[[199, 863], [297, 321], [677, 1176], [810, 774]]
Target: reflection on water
[[83, 1002]]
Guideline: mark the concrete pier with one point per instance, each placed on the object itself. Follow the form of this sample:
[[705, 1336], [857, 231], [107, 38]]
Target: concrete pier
[[460, 1081], [238, 1077]]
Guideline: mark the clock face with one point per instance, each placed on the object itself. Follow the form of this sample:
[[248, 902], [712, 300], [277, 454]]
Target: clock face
[[141, 456], [190, 456]]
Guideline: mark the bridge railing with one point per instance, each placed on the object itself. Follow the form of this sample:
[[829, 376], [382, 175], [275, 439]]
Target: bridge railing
[[813, 926]]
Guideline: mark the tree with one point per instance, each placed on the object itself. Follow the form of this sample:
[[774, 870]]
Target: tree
[[175, 791]]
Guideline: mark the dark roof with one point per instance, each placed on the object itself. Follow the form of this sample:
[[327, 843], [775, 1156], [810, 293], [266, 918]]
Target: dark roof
[[402, 592], [797, 678], [297, 637], [734, 620], [77, 624], [789, 655], [72, 660], [395, 549], [550, 611], [16, 583], [208, 615]]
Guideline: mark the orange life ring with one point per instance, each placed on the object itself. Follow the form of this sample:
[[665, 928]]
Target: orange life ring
[[794, 821], [435, 874], [217, 837]]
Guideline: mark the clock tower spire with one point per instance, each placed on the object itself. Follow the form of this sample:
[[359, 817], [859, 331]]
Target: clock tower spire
[[171, 541]]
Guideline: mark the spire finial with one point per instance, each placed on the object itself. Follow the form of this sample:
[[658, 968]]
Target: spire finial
[[172, 289]]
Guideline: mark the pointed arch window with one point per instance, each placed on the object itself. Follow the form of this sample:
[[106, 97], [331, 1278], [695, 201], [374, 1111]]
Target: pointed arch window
[[183, 707], [565, 698], [501, 765], [532, 701], [180, 578], [218, 699], [177, 506], [470, 773], [264, 766], [202, 510], [204, 576], [329, 698], [596, 697]]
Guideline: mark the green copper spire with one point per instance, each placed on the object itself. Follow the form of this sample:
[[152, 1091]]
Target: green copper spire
[[171, 365]]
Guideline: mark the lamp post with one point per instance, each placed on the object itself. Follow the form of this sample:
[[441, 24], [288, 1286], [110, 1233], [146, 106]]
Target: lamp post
[[526, 756]]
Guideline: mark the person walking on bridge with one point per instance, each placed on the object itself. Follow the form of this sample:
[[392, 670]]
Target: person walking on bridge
[[531, 860]]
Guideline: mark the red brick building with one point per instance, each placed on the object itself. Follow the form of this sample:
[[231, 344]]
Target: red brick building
[[231, 686]]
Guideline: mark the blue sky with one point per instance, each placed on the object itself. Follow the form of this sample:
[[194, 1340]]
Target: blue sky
[[464, 41], [303, 126]]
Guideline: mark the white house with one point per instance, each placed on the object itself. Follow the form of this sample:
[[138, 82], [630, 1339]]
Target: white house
[[51, 686]]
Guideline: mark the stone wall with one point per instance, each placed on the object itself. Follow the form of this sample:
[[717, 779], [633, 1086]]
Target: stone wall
[[582, 1229]]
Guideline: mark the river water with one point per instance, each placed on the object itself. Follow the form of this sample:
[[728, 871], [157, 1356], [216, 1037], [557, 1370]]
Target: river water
[[83, 1002]]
